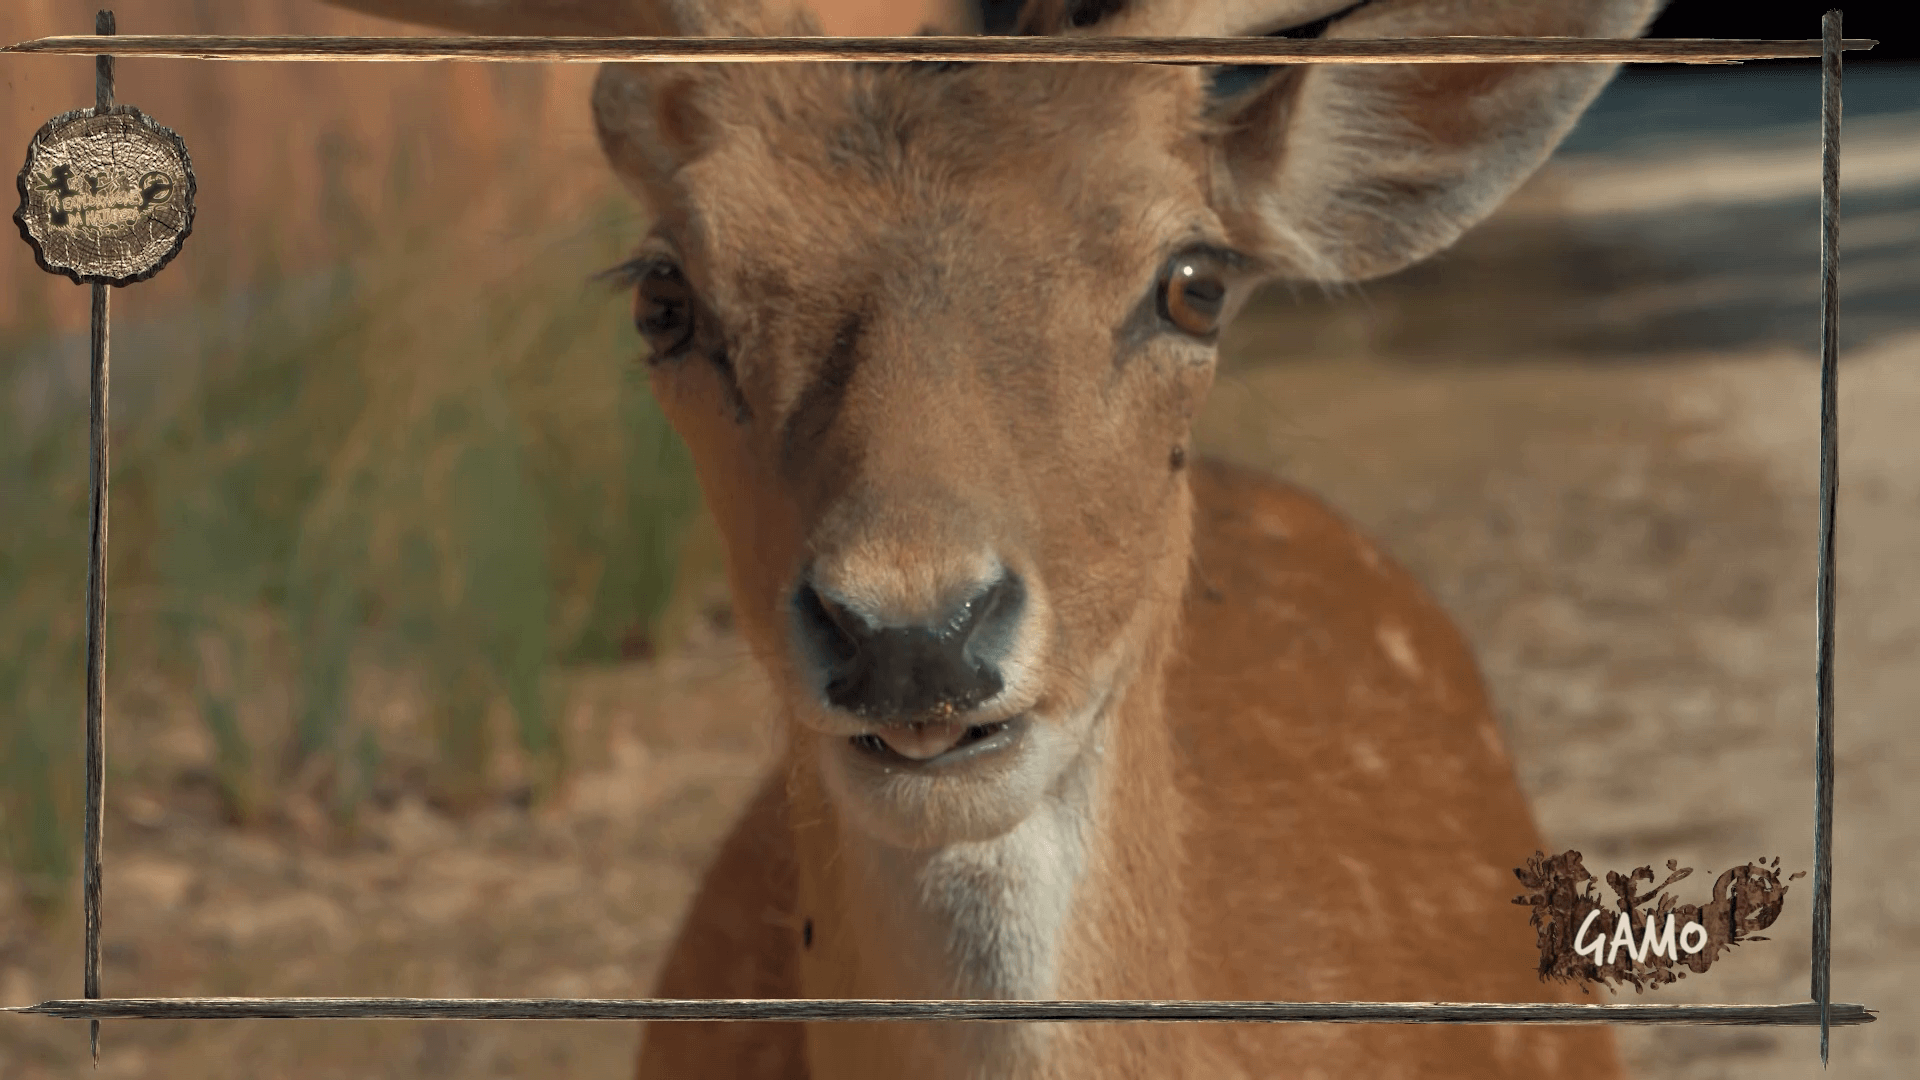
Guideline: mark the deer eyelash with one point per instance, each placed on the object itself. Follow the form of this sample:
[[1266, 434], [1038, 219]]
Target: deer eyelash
[[629, 274]]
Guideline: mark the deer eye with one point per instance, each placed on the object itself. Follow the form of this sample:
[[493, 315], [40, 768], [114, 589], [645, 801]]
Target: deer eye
[[663, 309], [1193, 294]]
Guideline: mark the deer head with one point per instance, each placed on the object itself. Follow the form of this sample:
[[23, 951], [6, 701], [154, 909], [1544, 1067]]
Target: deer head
[[936, 334]]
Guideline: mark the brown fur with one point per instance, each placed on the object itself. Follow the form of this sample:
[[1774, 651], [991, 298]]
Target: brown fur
[[1256, 759], [1382, 877]]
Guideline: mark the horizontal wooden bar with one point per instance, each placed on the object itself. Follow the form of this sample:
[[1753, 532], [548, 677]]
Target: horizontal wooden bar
[[1801, 1014], [1247, 50]]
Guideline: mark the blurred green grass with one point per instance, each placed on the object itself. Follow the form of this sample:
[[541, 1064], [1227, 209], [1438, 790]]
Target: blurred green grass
[[432, 462]]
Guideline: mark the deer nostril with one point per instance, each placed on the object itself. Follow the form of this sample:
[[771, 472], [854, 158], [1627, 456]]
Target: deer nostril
[[832, 627], [993, 618]]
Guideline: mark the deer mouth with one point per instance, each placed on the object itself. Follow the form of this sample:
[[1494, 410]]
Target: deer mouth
[[936, 742]]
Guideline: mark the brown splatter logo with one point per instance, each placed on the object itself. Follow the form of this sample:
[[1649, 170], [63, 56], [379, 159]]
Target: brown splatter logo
[[1646, 937]]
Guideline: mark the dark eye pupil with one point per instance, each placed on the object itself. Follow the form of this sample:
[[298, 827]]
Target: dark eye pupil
[[662, 316], [664, 312], [1193, 296], [1204, 295]]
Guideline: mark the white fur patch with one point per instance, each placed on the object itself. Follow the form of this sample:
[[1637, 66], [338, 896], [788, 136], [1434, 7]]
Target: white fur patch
[[983, 919], [1005, 903]]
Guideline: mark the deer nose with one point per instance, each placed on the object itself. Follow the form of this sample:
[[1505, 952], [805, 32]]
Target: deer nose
[[944, 666]]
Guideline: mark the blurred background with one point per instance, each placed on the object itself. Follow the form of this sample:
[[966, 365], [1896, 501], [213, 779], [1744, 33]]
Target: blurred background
[[421, 677]]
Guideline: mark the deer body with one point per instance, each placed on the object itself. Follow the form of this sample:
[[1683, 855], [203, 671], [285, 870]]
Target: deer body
[[1325, 813], [1067, 715]]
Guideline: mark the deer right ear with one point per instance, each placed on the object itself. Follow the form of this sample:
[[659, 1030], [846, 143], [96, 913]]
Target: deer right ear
[[652, 119], [1344, 172]]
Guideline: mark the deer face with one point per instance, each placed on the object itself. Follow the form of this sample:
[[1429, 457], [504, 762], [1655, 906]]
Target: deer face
[[937, 379], [935, 337]]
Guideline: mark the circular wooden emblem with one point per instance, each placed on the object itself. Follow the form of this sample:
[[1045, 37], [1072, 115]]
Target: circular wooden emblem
[[105, 198]]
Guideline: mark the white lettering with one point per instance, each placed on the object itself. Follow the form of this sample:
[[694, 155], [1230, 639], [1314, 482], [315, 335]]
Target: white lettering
[[1658, 946], [1599, 941], [1623, 935], [1686, 938]]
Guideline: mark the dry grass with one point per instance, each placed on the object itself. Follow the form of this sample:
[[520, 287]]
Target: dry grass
[[575, 898]]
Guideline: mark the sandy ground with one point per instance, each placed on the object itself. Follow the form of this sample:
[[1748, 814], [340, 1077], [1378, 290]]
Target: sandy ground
[[1630, 545]]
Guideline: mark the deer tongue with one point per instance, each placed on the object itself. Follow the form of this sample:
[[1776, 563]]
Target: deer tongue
[[923, 742]]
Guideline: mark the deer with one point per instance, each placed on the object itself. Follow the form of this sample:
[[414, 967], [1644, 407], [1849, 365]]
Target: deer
[[1067, 711]]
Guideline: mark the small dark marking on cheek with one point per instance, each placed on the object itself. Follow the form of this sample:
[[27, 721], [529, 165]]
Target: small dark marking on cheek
[[806, 934], [814, 414], [1177, 460], [736, 399]]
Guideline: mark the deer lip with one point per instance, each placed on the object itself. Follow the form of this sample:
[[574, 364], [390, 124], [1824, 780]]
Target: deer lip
[[936, 741]]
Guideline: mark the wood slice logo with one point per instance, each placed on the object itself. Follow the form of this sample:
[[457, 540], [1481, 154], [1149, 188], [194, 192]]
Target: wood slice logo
[[105, 198]]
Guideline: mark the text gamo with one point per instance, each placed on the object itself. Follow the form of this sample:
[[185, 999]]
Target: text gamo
[[1692, 939]]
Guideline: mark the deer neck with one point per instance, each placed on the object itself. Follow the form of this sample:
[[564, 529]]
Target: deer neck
[[1081, 900]]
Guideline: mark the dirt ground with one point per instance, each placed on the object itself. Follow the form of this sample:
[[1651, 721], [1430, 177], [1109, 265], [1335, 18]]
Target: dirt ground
[[1630, 545]]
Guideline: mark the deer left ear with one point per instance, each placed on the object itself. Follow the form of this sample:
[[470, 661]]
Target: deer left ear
[[1349, 172]]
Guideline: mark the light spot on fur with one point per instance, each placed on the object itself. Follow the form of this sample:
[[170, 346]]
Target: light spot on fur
[[1490, 736], [1363, 884], [1398, 645], [1549, 1052], [1489, 875], [1369, 555], [1272, 525], [1368, 758], [1506, 1044]]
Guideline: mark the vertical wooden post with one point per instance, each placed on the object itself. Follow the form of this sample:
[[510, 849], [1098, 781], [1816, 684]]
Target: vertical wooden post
[[97, 597], [1829, 495]]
